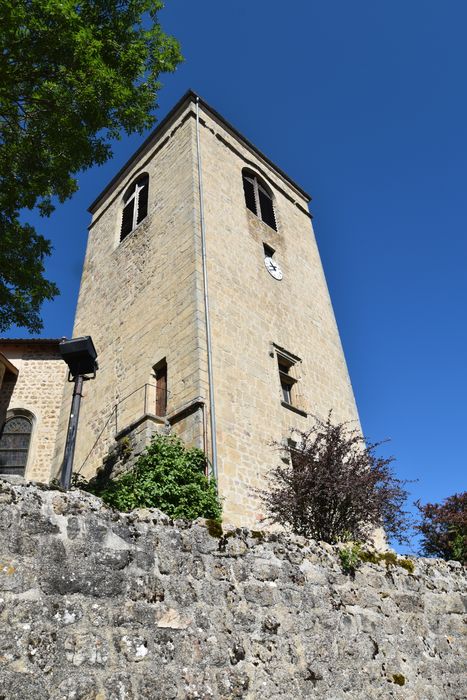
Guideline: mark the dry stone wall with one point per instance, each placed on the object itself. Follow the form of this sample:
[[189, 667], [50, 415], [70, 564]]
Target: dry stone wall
[[107, 606]]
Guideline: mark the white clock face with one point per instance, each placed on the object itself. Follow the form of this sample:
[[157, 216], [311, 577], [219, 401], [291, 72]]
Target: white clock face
[[272, 266]]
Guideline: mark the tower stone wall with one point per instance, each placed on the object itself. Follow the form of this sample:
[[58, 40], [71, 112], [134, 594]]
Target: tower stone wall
[[142, 301], [253, 314]]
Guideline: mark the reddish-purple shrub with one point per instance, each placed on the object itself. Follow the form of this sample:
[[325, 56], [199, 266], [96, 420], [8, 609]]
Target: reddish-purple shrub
[[331, 486], [444, 528]]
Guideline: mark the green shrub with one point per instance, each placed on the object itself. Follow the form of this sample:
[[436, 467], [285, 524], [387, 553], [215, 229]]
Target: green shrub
[[350, 558], [168, 476]]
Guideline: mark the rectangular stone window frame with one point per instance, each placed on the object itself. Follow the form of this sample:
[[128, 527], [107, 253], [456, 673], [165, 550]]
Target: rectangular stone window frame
[[288, 366], [286, 379]]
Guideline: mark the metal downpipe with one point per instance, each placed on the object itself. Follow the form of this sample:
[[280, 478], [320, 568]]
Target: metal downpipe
[[212, 412]]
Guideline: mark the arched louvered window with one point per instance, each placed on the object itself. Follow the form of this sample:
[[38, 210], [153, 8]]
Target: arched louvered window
[[14, 444], [135, 205], [258, 199]]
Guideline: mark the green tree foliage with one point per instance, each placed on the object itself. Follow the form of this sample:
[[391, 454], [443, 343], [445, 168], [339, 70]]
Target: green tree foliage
[[168, 476], [73, 75], [333, 487], [443, 528]]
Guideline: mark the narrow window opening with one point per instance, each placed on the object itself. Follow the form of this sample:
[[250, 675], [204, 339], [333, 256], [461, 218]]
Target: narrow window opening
[[287, 382], [268, 251], [294, 454], [135, 207], [258, 199], [160, 372]]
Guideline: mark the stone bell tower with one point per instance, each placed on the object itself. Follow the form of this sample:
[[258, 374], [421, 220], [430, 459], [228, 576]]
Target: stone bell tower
[[205, 297]]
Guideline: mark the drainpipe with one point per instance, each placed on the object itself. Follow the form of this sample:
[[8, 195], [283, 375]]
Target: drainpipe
[[212, 412]]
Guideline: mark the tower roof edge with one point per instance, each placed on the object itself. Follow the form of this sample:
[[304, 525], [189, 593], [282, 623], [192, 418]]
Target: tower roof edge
[[189, 96]]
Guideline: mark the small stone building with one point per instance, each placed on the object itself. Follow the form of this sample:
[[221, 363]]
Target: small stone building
[[31, 389], [205, 297]]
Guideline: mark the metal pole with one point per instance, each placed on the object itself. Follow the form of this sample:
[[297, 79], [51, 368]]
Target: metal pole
[[67, 466]]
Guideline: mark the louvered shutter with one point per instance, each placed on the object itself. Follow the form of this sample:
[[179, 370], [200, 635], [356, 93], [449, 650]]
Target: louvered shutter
[[267, 210], [249, 190], [143, 201], [127, 219]]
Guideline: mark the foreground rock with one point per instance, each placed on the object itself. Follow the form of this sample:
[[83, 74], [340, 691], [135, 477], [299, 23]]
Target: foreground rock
[[108, 606]]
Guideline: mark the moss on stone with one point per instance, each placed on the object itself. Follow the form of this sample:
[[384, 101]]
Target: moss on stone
[[368, 557], [398, 679], [388, 558], [407, 564], [214, 528]]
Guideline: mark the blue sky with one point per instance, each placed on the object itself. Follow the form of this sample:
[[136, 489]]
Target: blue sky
[[364, 104]]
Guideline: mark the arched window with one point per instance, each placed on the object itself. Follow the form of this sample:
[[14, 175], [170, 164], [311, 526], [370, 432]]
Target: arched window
[[135, 205], [258, 198], [14, 444]]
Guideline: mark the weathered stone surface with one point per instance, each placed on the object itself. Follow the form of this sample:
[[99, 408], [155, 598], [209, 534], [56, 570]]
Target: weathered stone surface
[[96, 605]]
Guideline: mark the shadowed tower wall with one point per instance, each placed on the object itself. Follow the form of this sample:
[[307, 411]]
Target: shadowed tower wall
[[141, 301]]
